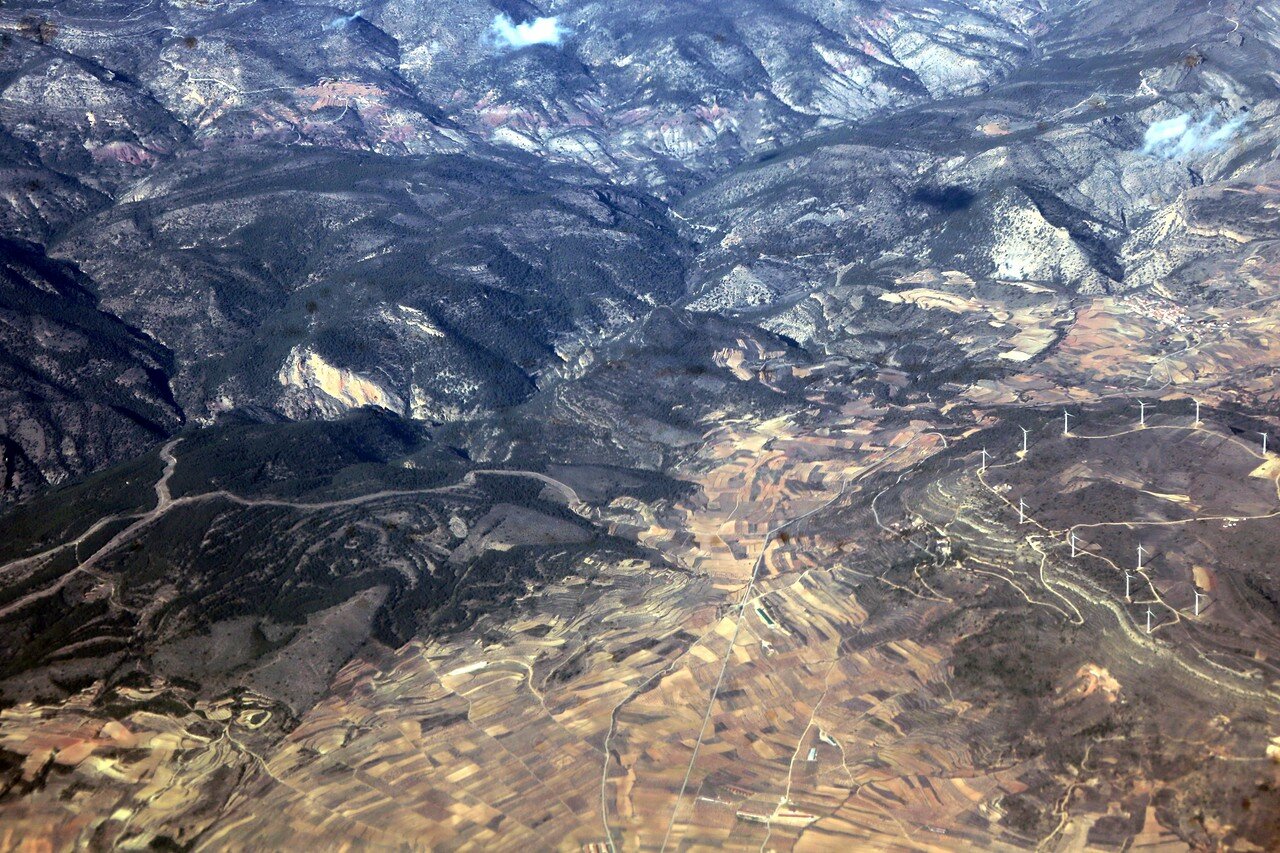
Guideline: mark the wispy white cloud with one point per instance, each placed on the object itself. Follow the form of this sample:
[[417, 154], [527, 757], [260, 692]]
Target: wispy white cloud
[[1182, 136], [340, 23], [535, 31]]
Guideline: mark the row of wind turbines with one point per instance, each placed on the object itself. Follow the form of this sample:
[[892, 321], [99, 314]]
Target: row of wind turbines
[[1072, 539]]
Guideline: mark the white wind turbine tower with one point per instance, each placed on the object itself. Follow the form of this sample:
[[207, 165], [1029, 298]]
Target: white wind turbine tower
[[1025, 432], [1148, 620], [983, 469], [1072, 540], [1066, 422], [1142, 413], [1199, 595]]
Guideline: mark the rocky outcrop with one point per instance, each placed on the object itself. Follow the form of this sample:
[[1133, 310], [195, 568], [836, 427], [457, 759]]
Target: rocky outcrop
[[314, 387]]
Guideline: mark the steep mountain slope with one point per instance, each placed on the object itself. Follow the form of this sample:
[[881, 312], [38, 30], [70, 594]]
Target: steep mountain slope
[[243, 181], [660, 94], [437, 287], [1049, 178], [80, 385]]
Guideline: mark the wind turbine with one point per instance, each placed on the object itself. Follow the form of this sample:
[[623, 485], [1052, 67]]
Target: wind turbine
[[1148, 620], [1025, 432], [1022, 511], [1142, 413], [1264, 443], [1199, 594], [1066, 422], [1141, 551], [1127, 576], [1072, 540], [1197, 423], [983, 469]]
